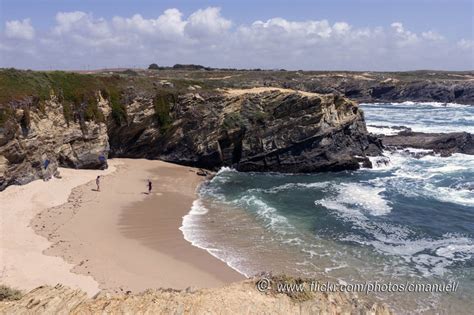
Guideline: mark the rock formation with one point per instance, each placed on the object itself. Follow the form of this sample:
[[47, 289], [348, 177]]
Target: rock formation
[[370, 87], [261, 129], [34, 143], [442, 143], [237, 298]]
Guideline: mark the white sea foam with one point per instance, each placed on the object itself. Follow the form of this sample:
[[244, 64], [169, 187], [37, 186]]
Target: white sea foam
[[429, 256], [447, 194], [353, 198], [290, 187], [421, 117], [329, 269], [411, 104], [382, 130], [225, 169]]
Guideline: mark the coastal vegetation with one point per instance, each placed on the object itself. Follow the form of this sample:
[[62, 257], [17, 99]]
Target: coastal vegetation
[[162, 103], [9, 294]]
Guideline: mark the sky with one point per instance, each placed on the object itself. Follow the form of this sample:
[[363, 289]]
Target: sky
[[376, 35]]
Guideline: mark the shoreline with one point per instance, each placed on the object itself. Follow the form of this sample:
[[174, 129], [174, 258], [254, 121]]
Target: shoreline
[[128, 240]]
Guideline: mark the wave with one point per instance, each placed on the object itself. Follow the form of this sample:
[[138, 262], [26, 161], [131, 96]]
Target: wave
[[269, 215], [289, 187], [430, 117], [194, 232], [356, 203], [411, 104]]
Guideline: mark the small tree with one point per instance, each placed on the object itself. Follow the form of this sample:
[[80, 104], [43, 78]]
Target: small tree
[[153, 66]]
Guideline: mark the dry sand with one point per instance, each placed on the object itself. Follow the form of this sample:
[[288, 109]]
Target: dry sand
[[128, 240], [22, 262], [257, 90]]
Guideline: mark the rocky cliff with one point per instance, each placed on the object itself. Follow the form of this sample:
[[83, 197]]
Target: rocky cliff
[[392, 87], [260, 129], [237, 298], [69, 119], [34, 141]]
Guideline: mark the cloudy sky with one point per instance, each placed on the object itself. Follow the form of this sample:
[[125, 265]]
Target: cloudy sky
[[292, 34]]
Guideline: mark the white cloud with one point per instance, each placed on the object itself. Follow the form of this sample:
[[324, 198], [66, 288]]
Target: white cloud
[[466, 44], [19, 29], [81, 24], [430, 35], [404, 37], [167, 25], [207, 37], [207, 22]]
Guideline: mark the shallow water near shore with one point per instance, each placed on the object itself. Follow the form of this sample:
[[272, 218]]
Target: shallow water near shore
[[411, 219]]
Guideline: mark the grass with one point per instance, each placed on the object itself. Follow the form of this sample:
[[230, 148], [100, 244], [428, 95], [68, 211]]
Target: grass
[[5, 114], [9, 294], [77, 92]]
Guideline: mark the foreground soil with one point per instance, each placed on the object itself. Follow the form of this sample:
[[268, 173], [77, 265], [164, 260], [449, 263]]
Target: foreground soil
[[237, 298]]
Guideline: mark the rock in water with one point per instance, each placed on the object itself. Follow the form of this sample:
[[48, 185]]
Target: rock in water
[[442, 143]]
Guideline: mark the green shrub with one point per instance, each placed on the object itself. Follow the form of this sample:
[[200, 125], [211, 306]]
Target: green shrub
[[92, 111], [5, 114], [162, 105], [119, 112], [233, 120], [68, 112]]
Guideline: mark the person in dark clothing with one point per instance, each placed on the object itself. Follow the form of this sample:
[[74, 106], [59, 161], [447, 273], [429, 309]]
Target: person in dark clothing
[[97, 182], [149, 186]]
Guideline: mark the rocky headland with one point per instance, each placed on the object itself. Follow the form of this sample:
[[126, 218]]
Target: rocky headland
[[76, 121]]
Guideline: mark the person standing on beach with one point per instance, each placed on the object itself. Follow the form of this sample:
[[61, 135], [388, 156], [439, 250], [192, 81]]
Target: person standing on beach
[[149, 186], [97, 182]]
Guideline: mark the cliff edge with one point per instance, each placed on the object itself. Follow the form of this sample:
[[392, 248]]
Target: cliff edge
[[236, 298]]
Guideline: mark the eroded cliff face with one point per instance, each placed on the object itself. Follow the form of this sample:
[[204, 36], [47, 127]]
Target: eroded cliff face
[[35, 142], [260, 129]]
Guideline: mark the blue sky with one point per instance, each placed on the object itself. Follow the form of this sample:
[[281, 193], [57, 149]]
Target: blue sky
[[376, 34]]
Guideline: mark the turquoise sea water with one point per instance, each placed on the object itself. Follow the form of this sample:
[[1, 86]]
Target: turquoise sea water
[[411, 219]]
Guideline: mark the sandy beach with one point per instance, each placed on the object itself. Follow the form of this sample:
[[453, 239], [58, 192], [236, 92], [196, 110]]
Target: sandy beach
[[22, 262], [119, 239]]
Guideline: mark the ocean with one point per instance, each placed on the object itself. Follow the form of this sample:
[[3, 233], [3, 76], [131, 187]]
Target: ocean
[[408, 220]]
